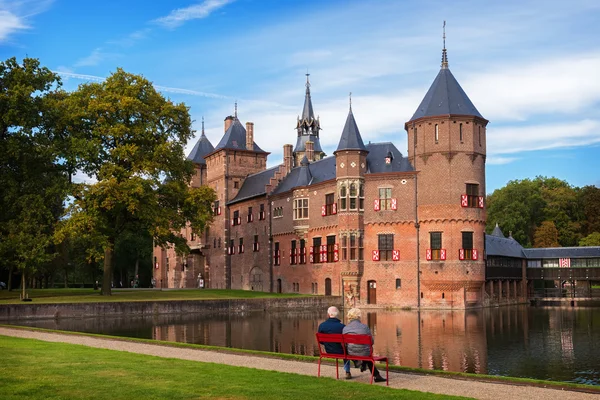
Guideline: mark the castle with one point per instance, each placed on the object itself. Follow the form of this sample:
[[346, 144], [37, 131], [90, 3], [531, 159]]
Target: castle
[[366, 223]]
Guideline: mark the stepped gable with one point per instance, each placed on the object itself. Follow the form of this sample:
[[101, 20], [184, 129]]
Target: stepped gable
[[254, 185], [235, 138], [376, 159]]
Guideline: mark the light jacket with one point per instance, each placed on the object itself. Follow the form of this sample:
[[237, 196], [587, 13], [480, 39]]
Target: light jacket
[[355, 327]]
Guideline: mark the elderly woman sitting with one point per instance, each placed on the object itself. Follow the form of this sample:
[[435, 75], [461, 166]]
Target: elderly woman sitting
[[358, 328]]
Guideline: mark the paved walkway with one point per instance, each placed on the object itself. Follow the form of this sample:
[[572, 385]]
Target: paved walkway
[[423, 383]]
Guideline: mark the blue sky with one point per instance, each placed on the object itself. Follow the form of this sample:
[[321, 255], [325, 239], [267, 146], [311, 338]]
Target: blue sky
[[531, 67]]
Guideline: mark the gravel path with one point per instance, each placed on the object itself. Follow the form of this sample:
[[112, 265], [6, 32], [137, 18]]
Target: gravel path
[[423, 383]]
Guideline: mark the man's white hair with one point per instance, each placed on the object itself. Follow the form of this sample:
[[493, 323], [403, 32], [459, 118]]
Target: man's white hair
[[333, 312]]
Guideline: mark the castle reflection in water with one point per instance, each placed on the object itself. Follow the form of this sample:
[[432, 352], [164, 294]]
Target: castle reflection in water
[[542, 343]]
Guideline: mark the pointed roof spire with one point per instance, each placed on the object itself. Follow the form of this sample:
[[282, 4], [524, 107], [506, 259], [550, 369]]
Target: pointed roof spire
[[350, 99], [497, 231], [202, 147], [307, 113], [444, 53], [235, 110], [203, 135], [351, 139]]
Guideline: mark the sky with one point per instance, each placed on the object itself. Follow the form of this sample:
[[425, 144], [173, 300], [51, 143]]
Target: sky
[[532, 68]]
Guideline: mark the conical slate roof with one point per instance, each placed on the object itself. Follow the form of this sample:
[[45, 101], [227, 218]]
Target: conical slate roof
[[203, 147], [351, 139], [497, 231], [308, 126], [235, 138]]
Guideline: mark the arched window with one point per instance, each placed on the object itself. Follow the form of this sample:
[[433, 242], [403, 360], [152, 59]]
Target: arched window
[[361, 197], [343, 195], [437, 133]]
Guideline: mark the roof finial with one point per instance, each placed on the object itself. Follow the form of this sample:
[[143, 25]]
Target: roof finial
[[444, 54], [350, 98], [235, 111], [203, 125]]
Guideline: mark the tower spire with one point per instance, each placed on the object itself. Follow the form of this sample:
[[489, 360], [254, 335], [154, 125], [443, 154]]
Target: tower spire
[[202, 126], [444, 53], [350, 99], [235, 111]]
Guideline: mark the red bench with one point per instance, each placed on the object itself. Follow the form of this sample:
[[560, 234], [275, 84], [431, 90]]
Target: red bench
[[343, 340]]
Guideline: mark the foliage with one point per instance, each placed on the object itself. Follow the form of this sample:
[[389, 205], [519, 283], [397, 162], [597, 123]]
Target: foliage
[[522, 206], [32, 177], [546, 235], [131, 140], [593, 239], [41, 370]]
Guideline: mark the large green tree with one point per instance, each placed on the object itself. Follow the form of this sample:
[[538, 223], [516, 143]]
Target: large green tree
[[131, 139], [546, 235], [33, 178]]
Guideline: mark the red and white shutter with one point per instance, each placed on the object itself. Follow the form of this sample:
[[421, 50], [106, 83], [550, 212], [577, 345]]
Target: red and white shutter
[[219, 210], [443, 254], [304, 253], [232, 221], [323, 211], [480, 201], [461, 254], [324, 253], [394, 204], [312, 255], [336, 256], [428, 254], [376, 204], [475, 254], [395, 255], [156, 265], [251, 217], [239, 220], [375, 255], [334, 208], [464, 200], [242, 248]]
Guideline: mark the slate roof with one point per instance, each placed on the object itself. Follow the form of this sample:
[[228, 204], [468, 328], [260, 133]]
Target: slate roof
[[203, 147], [376, 159], [351, 139], [497, 231], [254, 185], [320, 171], [563, 252], [445, 97], [235, 138], [301, 143], [501, 246], [308, 127]]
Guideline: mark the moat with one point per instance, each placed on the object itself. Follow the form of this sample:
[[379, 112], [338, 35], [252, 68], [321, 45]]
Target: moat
[[558, 344]]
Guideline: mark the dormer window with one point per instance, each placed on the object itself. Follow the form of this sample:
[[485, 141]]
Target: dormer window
[[389, 157]]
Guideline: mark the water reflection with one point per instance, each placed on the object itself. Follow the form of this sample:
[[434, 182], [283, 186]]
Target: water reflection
[[555, 344]]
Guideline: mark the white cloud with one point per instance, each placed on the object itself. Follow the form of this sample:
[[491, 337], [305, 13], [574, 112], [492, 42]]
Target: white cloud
[[10, 23], [95, 58], [181, 15], [496, 160]]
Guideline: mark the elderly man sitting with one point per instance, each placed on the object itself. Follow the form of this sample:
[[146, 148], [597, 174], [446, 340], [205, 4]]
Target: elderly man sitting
[[334, 325]]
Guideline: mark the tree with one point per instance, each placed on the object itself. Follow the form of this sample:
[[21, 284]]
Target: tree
[[546, 235], [593, 239], [561, 207], [32, 179], [590, 203], [131, 140]]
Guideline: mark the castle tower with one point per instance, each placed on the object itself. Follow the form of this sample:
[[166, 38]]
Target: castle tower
[[351, 164], [447, 146], [234, 158], [308, 131]]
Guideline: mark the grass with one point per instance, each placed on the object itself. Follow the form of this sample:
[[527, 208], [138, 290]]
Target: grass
[[33, 369], [307, 358], [52, 296]]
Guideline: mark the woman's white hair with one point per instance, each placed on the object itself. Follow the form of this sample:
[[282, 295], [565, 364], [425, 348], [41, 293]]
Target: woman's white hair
[[354, 313], [333, 312]]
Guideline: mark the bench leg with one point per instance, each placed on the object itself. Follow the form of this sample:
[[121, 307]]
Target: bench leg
[[337, 369], [387, 374], [372, 371], [319, 370]]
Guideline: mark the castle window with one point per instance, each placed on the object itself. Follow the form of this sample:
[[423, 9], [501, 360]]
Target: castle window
[[316, 250], [361, 250], [255, 246], [353, 243], [236, 185], [276, 254], [343, 194], [241, 246], [398, 284], [467, 245], [261, 212], [435, 243], [300, 208], [302, 251], [437, 134], [385, 198], [330, 206], [385, 246], [293, 254], [278, 212], [217, 208], [250, 217], [219, 243], [472, 195], [331, 248], [236, 218], [353, 195], [361, 197], [192, 236], [344, 248], [460, 132], [167, 263], [231, 248]]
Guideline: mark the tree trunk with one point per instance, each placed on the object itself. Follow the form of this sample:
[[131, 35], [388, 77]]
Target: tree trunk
[[66, 278], [108, 256], [135, 275], [10, 276], [23, 285]]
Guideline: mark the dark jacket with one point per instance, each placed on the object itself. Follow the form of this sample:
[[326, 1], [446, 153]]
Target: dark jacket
[[332, 325], [355, 327]]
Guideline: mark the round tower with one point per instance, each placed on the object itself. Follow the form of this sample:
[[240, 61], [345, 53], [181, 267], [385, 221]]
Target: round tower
[[447, 146]]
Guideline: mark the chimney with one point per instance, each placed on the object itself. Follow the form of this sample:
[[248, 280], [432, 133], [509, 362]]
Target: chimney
[[287, 157], [228, 122], [310, 151], [249, 135]]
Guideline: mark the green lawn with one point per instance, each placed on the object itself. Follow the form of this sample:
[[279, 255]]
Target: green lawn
[[41, 296], [33, 369]]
